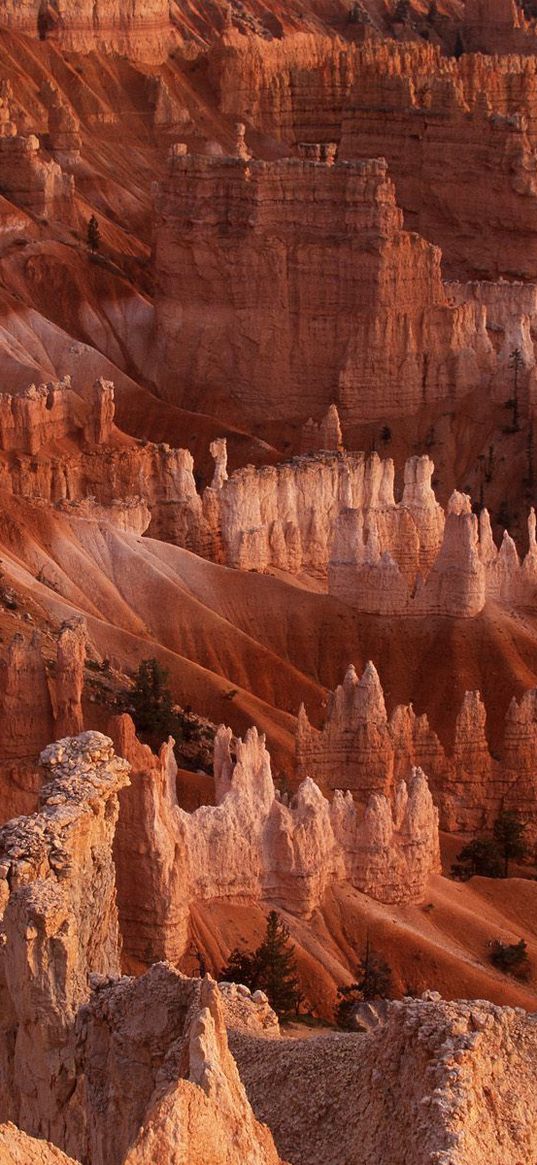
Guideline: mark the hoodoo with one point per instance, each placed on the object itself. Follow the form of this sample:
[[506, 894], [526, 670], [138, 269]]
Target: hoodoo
[[268, 582]]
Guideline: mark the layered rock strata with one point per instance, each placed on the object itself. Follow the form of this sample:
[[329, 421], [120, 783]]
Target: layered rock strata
[[33, 182], [348, 307], [435, 118], [139, 29], [85, 461], [253, 845], [362, 749], [59, 925]]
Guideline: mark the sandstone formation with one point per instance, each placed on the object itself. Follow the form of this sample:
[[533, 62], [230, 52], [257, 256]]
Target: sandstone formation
[[31, 181], [434, 117], [75, 1036], [141, 30], [17, 1148], [59, 926], [498, 26], [38, 700], [316, 241], [252, 845], [87, 463], [361, 749], [442, 1083]]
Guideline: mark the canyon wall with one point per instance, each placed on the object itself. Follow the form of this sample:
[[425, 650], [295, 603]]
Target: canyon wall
[[334, 515], [253, 846], [139, 29], [361, 749], [435, 118], [498, 26], [317, 295], [33, 182], [88, 466]]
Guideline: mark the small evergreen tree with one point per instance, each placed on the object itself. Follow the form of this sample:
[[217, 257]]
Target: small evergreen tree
[[509, 838], [151, 703], [373, 981], [278, 970], [242, 968], [516, 362], [271, 968], [94, 235], [481, 856], [511, 958]]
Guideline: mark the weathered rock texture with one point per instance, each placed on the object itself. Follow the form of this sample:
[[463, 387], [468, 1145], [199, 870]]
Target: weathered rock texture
[[251, 845], [38, 700], [498, 26], [361, 749], [435, 119], [436, 1084], [74, 1036], [86, 462], [317, 295], [31, 181], [17, 1148], [59, 925], [334, 515], [140, 29]]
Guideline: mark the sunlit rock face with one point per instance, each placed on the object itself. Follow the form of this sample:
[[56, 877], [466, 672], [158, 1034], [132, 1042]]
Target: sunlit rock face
[[316, 294]]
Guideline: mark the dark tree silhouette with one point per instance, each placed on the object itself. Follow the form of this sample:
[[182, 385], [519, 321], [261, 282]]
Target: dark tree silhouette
[[93, 235], [151, 703], [509, 838], [481, 856], [271, 968], [511, 958], [373, 981]]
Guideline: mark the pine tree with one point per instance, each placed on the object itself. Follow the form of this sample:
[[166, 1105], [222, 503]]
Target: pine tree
[[373, 981], [509, 838], [511, 958], [480, 856], [278, 970], [151, 703], [271, 968], [94, 235], [242, 968]]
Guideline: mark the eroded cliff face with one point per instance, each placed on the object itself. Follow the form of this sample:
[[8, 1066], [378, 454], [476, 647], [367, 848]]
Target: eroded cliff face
[[361, 749], [434, 118], [254, 846], [38, 700], [141, 30], [75, 1035], [317, 242], [59, 925]]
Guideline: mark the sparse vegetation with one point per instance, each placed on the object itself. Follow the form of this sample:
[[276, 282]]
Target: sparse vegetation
[[93, 235], [373, 981], [478, 857], [489, 857], [511, 958], [271, 968], [509, 839], [516, 362]]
